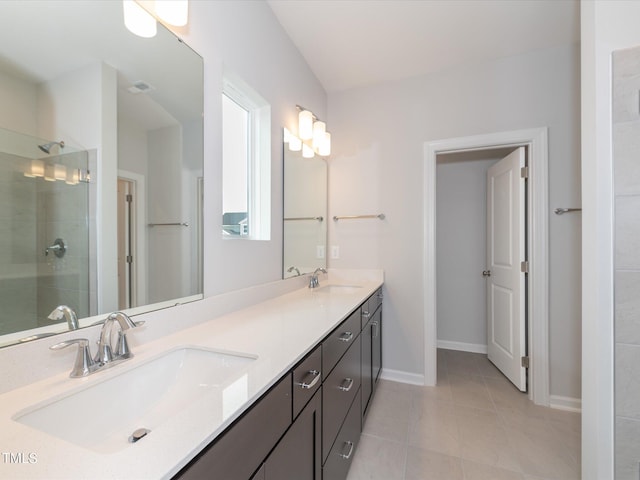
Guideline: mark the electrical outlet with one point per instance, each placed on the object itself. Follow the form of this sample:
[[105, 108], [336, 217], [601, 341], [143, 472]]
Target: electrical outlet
[[319, 251], [335, 251]]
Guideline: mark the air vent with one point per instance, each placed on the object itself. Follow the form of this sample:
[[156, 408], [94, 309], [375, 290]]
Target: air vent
[[140, 87]]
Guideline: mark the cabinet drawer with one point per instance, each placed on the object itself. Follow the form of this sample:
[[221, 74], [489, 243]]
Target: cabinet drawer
[[338, 392], [370, 306], [306, 380], [339, 341], [238, 453], [341, 455]]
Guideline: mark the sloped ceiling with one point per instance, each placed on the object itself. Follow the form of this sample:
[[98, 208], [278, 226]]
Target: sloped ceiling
[[352, 43]]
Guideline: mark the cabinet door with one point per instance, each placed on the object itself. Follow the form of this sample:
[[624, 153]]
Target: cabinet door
[[238, 453], [297, 455], [341, 455], [367, 378], [376, 344]]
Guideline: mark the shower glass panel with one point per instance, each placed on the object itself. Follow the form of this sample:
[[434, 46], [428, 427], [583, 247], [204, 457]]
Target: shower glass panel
[[44, 231]]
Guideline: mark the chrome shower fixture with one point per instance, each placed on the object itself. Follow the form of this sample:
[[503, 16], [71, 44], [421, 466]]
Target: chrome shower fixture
[[46, 148]]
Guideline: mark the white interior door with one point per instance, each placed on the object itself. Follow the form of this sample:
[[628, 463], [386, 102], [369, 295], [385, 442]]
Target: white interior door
[[506, 330]]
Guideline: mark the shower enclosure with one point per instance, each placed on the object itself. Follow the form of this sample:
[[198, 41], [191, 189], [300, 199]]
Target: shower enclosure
[[44, 231]]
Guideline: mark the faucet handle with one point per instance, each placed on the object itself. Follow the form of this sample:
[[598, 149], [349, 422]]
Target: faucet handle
[[84, 364]]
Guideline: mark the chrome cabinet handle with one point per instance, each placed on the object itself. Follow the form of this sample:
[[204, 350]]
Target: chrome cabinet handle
[[365, 314], [346, 388], [346, 337], [348, 445], [380, 295], [316, 376], [374, 325]]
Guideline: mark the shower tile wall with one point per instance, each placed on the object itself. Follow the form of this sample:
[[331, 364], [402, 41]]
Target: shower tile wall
[[626, 154]]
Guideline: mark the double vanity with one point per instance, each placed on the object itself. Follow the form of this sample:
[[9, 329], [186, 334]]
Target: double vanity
[[277, 390]]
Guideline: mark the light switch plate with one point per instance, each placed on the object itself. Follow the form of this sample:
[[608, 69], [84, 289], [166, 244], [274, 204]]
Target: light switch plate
[[335, 251], [319, 251]]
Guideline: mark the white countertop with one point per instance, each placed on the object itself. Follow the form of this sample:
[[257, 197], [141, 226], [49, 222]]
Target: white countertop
[[279, 332]]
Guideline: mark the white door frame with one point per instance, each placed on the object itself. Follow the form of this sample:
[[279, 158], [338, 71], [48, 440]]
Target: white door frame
[[538, 242]]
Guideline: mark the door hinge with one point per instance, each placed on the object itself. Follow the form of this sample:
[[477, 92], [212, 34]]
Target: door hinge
[[524, 172], [129, 259], [525, 362], [524, 267], [129, 198]]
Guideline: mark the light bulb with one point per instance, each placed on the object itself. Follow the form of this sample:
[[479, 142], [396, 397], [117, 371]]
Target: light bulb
[[49, 173], [37, 169], [305, 124], [60, 172], [286, 135], [138, 20], [295, 144], [319, 129], [307, 151], [324, 149], [174, 12], [73, 177]]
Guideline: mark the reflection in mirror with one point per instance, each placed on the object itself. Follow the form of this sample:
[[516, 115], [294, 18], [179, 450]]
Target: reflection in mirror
[[100, 167], [305, 213]]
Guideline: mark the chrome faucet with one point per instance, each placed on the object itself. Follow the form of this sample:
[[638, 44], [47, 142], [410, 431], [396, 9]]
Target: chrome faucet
[[313, 281], [292, 268], [105, 353], [85, 364], [62, 311]]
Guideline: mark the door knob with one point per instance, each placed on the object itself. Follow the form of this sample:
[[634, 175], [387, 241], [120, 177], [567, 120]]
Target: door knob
[[486, 273]]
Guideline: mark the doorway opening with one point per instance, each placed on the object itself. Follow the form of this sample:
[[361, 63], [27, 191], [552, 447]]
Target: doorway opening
[[536, 238], [480, 242]]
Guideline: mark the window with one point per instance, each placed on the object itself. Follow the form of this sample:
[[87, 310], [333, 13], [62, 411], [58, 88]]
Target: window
[[246, 162]]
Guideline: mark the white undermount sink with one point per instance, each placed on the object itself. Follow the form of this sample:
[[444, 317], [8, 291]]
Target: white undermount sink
[[104, 415], [344, 289]]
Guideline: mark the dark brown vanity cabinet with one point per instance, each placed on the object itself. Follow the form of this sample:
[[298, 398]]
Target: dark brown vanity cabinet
[[308, 425]]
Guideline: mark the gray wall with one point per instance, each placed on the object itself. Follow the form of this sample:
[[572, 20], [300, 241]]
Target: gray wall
[[377, 167], [626, 148]]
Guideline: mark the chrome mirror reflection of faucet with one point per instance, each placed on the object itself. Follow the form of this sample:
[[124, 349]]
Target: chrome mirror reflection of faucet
[[292, 268], [62, 311], [313, 281]]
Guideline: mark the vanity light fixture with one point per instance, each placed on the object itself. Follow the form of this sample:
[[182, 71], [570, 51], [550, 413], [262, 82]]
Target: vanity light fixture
[[312, 137], [140, 15], [138, 20], [50, 173]]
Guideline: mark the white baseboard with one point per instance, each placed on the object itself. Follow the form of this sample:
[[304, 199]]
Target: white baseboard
[[402, 377], [462, 347], [565, 403]]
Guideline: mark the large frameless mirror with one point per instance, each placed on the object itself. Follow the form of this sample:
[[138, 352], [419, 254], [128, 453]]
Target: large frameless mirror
[[101, 165]]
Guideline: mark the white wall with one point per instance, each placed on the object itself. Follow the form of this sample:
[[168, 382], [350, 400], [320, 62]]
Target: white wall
[[246, 39], [19, 104], [377, 167], [461, 251], [605, 26]]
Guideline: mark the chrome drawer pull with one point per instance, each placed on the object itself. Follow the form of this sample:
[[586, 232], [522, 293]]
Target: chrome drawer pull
[[346, 337], [316, 377], [374, 324], [349, 445], [346, 380], [365, 314], [380, 296]]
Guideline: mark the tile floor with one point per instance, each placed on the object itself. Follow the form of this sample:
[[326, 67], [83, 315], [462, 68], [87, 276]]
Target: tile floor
[[473, 426]]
